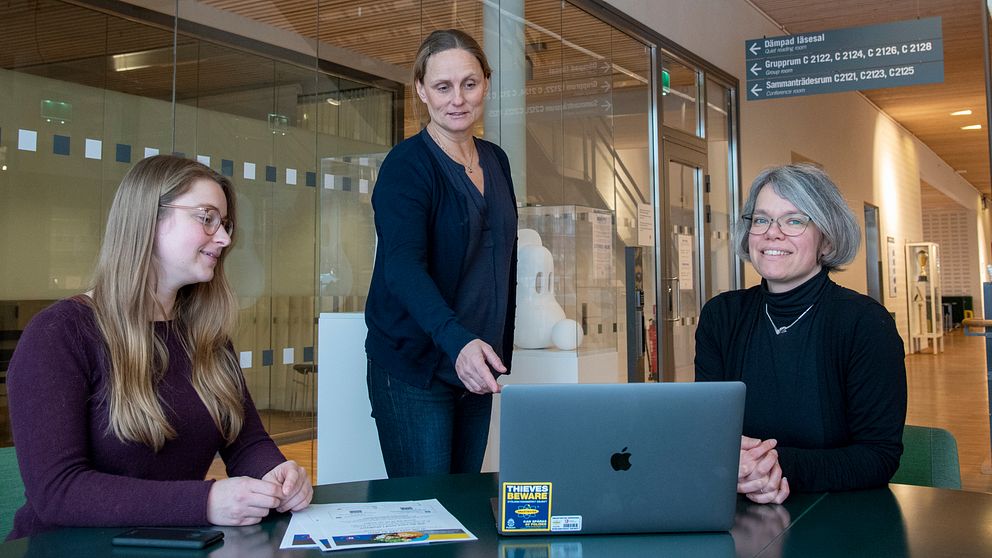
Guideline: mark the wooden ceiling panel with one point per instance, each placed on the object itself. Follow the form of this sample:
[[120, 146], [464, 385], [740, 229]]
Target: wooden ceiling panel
[[932, 199]]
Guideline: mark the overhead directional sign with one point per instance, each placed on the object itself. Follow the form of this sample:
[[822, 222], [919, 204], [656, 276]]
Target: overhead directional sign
[[887, 55]]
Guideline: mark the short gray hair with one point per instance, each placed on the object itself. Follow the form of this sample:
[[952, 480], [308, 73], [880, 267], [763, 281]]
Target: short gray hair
[[808, 188]]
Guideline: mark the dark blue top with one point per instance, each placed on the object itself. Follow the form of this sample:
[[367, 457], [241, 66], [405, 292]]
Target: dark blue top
[[445, 265]]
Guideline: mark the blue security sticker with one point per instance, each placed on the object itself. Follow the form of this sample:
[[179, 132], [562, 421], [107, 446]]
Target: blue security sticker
[[526, 506]]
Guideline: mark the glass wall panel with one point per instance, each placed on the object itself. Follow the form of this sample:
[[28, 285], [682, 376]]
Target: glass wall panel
[[680, 95], [589, 186], [544, 51], [237, 112], [71, 122], [588, 171], [722, 189], [356, 131], [685, 188], [89, 94], [634, 200]]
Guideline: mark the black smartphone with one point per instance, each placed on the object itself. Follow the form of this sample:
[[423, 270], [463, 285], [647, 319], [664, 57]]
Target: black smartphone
[[168, 537]]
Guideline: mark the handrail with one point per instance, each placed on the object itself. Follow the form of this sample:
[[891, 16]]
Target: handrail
[[976, 323], [618, 160], [627, 191]]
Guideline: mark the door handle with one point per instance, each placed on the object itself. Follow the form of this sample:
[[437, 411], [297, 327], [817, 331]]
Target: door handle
[[674, 300]]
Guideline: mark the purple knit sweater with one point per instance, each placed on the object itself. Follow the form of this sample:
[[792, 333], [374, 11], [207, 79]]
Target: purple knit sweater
[[75, 472]]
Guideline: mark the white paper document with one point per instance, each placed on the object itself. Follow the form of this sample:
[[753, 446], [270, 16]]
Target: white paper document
[[373, 524]]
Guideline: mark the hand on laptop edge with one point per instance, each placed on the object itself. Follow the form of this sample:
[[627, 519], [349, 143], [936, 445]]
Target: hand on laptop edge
[[760, 475]]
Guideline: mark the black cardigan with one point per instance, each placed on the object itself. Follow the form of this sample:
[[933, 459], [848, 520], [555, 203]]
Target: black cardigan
[[421, 222], [862, 385]]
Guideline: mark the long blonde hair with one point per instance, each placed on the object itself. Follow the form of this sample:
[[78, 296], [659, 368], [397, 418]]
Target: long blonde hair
[[124, 303]]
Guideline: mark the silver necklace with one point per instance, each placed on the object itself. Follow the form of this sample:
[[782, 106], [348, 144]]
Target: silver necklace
[[783, 329], [468, 166]]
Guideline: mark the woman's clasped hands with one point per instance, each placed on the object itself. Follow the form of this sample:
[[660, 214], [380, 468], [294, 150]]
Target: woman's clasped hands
[[760, 475], [246, 500]]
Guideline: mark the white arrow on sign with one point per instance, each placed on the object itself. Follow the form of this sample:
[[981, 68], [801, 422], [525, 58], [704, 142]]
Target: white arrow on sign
[[755, 90], [753, 47], [754, 68]]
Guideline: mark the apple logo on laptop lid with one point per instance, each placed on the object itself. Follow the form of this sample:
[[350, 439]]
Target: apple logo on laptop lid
[[620, 461]]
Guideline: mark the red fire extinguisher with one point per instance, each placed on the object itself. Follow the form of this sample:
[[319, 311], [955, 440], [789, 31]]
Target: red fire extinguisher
[[653, 346]]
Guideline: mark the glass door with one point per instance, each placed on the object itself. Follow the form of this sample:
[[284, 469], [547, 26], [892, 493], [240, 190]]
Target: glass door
[[873, 252], [684, 244]]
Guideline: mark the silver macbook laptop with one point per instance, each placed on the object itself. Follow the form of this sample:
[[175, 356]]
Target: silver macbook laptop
[[618, 458]]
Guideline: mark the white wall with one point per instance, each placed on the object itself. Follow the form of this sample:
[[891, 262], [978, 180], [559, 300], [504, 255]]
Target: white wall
[[871, 157], [949, 229]]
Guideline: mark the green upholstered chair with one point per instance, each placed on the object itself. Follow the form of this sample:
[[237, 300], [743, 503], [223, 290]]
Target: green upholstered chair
[[11, 490], [929, 458]]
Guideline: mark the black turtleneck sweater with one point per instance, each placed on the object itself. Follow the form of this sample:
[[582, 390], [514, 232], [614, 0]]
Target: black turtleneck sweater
[[831, 388]]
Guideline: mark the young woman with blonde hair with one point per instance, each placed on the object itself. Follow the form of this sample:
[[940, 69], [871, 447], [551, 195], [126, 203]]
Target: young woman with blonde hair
[[121, 397]]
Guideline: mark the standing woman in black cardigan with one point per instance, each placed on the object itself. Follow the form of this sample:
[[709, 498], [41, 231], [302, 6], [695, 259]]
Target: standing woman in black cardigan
[[824, 365], [441, 303]]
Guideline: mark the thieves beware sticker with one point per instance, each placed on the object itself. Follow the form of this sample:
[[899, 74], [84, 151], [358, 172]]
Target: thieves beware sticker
[[526, 506]]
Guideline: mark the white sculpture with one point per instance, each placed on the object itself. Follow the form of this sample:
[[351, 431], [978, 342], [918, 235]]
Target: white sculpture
[[567, 335], [540, 321]]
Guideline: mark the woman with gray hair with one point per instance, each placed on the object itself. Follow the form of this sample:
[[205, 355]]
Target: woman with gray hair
[[824, 365]]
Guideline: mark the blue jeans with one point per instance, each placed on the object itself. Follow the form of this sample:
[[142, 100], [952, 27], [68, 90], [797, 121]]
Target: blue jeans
[[439, 430]]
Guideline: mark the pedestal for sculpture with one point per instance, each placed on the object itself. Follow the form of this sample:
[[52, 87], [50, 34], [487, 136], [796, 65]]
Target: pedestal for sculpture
[[347, 441]]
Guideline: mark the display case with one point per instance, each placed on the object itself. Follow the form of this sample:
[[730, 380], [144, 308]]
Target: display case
[[566, 276], [926, 317], [579, 275]]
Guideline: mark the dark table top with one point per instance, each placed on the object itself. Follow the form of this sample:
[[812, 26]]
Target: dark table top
[[895, 521]]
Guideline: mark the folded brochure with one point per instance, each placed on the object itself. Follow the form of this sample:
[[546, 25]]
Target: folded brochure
[[373, 524]]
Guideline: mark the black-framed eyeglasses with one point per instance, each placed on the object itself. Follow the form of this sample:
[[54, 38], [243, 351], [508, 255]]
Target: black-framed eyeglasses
[[793, 224], [208, 216]]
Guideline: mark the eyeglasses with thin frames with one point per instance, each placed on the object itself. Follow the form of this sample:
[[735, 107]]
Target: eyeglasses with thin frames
[[793, 224], [209, 217]]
